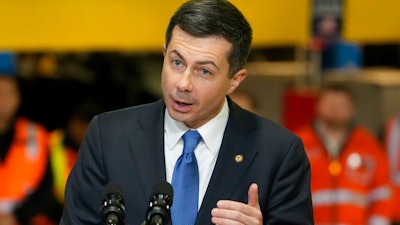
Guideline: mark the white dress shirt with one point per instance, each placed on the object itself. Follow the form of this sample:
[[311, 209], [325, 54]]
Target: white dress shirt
[[206, 151]]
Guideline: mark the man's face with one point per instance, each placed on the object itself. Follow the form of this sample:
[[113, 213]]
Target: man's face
[[9, 99], [335, 108], [195, 78]]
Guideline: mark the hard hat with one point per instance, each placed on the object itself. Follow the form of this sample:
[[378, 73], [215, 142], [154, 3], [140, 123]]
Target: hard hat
[[7, 63]]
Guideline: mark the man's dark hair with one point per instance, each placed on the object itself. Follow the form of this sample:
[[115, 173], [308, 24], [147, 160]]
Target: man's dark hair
[[204, 18], [335, 87]]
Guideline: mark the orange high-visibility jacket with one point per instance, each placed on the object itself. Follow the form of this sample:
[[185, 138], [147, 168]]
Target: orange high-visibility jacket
[[392, 143], [24, 166], [353, 189]]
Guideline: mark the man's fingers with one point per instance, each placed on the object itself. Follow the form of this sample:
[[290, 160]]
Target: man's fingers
[[227, 216], [232, 212], [253, 196]]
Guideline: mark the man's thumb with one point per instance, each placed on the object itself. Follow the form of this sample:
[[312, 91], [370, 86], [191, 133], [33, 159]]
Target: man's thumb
[[253, 196]]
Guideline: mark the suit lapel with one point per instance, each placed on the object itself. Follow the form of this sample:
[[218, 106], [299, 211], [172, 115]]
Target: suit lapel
[[234, 159], [147, 148]]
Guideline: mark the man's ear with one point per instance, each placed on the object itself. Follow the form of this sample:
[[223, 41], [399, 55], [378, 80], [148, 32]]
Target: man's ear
[[237, 78], [164, 49]]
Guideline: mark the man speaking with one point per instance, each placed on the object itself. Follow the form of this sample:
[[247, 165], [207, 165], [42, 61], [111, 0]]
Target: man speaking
[[226, 165]]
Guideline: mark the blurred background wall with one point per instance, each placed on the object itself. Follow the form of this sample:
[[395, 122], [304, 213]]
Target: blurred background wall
[[140, 25], [131, 24]]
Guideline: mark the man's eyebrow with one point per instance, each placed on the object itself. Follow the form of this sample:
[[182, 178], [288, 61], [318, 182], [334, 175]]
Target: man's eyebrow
[[179, 54], [208, 62], [205, 62]]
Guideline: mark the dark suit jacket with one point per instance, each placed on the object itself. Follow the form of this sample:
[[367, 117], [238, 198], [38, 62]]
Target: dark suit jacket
[[127, 147]]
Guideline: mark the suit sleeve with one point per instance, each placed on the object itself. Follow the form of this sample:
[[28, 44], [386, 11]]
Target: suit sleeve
[[85, 182], [290, 198]]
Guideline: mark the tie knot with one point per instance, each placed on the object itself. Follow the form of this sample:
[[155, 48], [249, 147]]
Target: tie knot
[[190, 140]]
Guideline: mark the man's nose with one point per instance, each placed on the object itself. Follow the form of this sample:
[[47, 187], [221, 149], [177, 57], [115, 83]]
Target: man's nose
[[185, 82]]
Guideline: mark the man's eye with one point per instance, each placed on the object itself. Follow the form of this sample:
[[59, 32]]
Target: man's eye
[[205, 72], [177, 62]]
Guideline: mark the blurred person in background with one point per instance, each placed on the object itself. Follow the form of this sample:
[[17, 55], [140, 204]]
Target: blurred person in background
[[25, 177], [349, 170], [392, 143], [64, 146], [245, 100]]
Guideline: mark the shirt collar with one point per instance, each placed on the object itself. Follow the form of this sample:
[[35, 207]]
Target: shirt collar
[[211, 132]]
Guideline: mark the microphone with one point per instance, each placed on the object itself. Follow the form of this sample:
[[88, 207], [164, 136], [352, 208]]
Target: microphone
[[159, 211], [112, 210]]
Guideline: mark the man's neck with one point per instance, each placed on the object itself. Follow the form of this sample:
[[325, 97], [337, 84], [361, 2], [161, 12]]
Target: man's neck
[[5, 125], [6, 139], [333, 132]]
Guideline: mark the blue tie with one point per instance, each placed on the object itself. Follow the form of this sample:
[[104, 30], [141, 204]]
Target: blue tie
[[185, 181]]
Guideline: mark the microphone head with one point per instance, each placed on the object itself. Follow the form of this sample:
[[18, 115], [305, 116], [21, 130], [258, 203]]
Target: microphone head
[[164, 188], [112, 210], [112, 189], [159, 211]]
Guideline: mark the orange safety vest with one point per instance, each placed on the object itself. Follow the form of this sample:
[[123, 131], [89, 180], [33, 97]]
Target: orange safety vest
[[62, 160], [392, 142], [355, 187], [24, 166]]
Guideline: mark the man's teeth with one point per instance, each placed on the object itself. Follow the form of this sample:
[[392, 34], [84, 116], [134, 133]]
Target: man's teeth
[[183, 103]]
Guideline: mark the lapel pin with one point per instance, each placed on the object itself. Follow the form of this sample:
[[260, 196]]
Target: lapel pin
[[239, 158]]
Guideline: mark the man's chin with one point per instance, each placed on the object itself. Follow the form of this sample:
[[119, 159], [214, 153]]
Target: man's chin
[[338, 124], [177, 115], [183, 118]]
